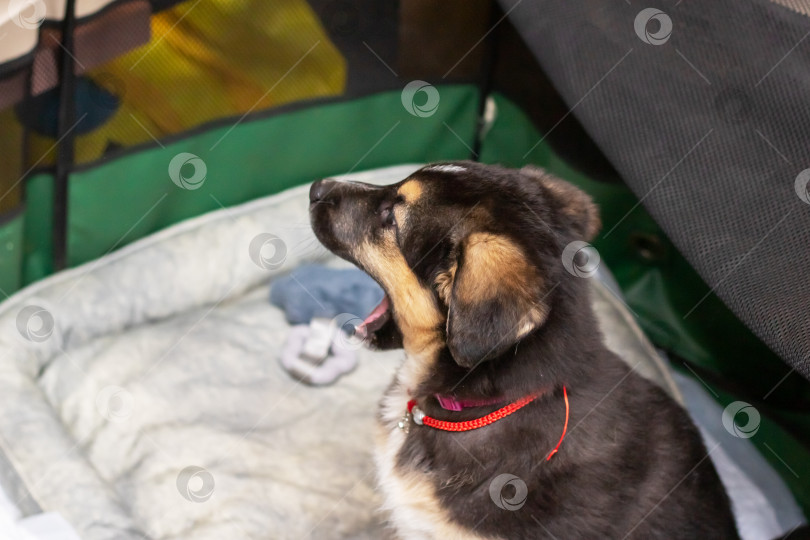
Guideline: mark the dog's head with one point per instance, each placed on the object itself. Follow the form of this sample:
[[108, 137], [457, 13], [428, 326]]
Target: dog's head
[[468, 254]]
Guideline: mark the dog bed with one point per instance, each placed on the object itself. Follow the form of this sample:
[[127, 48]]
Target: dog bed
[[141, 394]]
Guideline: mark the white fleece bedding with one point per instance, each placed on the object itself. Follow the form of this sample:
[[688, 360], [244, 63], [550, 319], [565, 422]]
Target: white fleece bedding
[[163, 357]]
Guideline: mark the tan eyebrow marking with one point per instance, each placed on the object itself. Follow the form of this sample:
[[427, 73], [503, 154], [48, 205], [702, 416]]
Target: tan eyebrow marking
[[411, 191]]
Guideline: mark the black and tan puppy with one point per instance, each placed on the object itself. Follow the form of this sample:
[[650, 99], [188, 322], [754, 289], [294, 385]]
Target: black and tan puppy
[[470, 258]]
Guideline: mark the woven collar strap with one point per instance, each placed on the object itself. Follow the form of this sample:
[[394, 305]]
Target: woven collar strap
[[420, 418]]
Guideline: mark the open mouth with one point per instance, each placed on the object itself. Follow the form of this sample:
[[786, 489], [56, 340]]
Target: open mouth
[[376, 319]]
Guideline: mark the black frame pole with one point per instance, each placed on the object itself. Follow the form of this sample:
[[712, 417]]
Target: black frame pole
[[487, 77], [66, 119]]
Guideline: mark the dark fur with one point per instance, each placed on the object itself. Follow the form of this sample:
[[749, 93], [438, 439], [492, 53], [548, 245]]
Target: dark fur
[[632, 464]]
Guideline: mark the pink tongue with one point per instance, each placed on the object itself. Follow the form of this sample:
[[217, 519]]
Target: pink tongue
[[378, 311], [375, 314]]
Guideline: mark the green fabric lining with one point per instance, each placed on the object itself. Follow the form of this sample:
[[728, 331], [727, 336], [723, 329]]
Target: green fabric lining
[[116, 202], [11, 239]]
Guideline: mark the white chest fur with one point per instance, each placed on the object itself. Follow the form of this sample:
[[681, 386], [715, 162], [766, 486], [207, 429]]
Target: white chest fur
[[409, 494]]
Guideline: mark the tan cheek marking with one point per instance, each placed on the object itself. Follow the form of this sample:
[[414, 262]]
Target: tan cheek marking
[[415, 310], [411, 191]]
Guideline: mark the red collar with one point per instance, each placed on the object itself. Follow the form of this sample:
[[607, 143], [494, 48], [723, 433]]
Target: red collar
[[420, 418]]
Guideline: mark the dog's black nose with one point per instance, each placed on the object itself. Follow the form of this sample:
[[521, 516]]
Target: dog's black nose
[[320, 190]]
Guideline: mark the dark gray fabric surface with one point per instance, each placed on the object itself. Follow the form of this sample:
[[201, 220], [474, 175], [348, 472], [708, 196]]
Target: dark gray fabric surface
[[710, 128]]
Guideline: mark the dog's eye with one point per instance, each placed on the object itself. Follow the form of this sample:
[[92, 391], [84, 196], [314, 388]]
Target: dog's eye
[[387, 217]]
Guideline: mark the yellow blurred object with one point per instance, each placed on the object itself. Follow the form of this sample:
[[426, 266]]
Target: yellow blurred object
[[208, 60]]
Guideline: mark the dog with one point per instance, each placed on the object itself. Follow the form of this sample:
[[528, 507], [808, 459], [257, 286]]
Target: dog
[[509, 417]]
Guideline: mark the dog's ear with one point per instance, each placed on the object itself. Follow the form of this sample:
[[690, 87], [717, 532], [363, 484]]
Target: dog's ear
[[493, 294], [575, 208]]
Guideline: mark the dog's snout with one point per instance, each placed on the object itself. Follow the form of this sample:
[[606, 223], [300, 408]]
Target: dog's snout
[[320, 190]]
